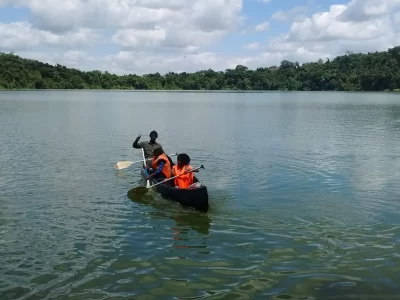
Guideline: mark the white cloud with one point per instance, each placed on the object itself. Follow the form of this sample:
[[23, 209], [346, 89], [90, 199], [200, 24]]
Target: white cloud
[[21, 35], [331, 33], [135, 24], [264, 26], [364, 10], [328, 26], [75, 58], [141, 62], [296, 12], [172, 4], [72, 14], [157, 35], [207, 15], [252, 46], [163, 36], [210, 15], [271, 57], [166, 39], [334, 25], [135, 62], [139, 38], [71, 58]]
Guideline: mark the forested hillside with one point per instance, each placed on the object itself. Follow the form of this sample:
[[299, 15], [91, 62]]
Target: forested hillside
[[376, 71]]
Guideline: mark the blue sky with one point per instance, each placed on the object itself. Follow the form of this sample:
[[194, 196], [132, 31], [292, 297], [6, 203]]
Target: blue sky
[[143, 36]]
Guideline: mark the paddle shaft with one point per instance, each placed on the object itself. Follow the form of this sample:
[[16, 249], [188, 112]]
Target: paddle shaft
[[150, 158], [126, 164], [145, 168], [201, 167]]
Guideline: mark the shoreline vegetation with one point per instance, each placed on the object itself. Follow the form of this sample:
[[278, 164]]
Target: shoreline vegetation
[[377, 71]]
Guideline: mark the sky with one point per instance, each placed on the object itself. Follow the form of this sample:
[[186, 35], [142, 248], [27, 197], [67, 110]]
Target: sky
[[148, 36]]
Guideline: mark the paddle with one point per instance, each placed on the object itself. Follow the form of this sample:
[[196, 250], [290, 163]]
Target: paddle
[[143, 190], [126, 163], [145, 169]]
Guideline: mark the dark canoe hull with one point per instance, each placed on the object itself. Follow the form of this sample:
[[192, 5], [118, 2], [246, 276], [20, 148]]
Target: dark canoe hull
[[192, 197]]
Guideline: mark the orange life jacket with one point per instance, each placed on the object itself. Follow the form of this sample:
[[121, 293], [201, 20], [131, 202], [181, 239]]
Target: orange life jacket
[[183, 181], [166, 170]]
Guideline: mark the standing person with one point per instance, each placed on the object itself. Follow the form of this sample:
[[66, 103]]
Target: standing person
[[182, 167], [148, 146]]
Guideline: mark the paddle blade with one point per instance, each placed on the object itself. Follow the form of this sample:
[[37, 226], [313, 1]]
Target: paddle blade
[[123, 165], [139, 190]]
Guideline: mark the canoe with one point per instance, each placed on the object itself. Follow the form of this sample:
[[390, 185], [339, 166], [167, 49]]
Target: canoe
[[195, 197]]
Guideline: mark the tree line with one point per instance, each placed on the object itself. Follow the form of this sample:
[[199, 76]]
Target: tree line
[[377, 71]]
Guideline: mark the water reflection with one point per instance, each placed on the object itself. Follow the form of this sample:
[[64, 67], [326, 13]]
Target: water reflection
[[363, 290], [183, 217], [321, 220]]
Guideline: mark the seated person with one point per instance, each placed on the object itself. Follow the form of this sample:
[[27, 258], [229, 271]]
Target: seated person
[[183, 166], [160, 164]]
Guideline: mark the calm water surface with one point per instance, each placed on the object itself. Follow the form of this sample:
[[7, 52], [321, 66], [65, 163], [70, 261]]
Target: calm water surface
[[304, 191]]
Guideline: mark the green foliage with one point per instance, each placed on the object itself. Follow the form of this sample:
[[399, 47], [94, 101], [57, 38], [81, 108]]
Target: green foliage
[[378, 71]]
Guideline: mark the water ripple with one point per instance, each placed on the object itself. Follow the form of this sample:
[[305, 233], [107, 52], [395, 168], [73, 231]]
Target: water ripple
[[303, 198]]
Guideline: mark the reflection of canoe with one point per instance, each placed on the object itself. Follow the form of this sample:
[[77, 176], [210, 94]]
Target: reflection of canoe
[[195, 220], [196, 197], [199, 222]]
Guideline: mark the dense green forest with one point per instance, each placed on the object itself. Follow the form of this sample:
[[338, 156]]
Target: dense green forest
[[378, 71]]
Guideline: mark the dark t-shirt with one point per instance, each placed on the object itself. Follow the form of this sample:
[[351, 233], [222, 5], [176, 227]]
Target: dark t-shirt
[[148, 148]]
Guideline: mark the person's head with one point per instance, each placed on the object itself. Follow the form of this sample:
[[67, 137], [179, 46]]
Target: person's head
[[183, 159], [153, 135], [157, 152]]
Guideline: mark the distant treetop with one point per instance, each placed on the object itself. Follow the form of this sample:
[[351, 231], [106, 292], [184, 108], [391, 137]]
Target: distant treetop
[[378, 71]]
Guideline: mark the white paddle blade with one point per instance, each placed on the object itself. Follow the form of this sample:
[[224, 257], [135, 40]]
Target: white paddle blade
[[123, 165]]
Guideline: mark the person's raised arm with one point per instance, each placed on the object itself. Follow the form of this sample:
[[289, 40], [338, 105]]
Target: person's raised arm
[[135, 144]]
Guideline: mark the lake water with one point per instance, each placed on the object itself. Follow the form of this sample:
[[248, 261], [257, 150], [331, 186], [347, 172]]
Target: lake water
[[304, 194]]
